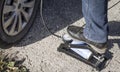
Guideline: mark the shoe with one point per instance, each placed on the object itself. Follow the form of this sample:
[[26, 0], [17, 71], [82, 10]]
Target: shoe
[[77, 33]]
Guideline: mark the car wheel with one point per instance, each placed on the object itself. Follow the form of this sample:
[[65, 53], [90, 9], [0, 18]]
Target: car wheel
[[16, 18]]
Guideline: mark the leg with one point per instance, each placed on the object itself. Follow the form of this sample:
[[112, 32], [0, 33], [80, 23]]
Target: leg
[[95, 14], [95, 32]]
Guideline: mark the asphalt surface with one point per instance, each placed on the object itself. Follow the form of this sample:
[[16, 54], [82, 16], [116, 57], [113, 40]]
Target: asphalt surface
[[40, 47]]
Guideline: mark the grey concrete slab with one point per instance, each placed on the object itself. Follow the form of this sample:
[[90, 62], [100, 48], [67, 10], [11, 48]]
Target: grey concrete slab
[[40, 47]]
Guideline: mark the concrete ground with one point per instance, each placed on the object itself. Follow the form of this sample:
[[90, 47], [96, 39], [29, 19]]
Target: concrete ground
[[40, 47]]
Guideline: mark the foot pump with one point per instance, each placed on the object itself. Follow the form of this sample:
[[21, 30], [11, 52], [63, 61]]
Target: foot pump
[[83, 52]]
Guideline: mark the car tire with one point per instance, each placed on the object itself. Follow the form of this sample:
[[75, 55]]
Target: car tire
[[13, 31]]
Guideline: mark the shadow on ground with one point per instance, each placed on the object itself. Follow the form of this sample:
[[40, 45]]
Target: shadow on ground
[[114, 31], [59, 14]]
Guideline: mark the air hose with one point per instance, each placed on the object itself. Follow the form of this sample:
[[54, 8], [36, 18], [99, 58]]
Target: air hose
[[44, 23]]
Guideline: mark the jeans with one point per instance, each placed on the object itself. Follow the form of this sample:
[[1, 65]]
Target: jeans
[[95, 14]]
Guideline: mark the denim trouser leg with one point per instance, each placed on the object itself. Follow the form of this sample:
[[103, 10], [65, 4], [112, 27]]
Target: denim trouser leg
[[95, 14]]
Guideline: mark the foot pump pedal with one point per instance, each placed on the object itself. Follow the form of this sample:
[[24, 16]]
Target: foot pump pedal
[[81, 51]]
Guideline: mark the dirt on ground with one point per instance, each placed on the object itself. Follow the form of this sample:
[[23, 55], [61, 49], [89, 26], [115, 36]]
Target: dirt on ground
[[40, 47]]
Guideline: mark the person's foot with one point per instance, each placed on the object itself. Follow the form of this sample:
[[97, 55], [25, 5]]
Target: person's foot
[[77, 33]]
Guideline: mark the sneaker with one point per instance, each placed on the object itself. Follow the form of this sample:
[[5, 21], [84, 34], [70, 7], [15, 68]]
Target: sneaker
[[77, 33]]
